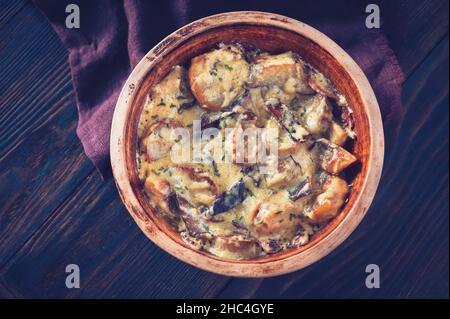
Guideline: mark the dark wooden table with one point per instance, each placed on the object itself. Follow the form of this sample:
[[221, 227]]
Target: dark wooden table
[[56, 210]]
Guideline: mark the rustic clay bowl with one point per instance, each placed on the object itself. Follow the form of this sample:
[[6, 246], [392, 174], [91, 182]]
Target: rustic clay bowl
[[273, 33]]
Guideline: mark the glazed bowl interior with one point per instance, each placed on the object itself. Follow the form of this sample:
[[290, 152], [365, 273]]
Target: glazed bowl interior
[[274, 39]]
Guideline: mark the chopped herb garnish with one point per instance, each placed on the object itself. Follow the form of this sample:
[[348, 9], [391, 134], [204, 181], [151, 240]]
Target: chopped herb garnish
[[213, 71], [303, 111], [161, 103], [163, 169], [155, 172], [172, 105], [155, 116], [229, 68], [293, 102]]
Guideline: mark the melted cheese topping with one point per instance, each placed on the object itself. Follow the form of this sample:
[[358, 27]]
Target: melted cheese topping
[[233, 210]]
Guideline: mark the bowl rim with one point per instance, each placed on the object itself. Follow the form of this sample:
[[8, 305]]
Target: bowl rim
[[228, 267]]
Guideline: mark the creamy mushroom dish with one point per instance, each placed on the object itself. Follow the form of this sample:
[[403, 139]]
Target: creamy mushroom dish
[[230, 208]]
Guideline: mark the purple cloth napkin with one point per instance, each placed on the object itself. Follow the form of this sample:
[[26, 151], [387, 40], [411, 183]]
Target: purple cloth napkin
[[115, 34]]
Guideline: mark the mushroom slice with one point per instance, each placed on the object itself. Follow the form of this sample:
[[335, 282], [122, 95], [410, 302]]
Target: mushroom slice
[[195, 184], [328, 203], [217, 78], [300, 239], [317, 116], [288, 173], [334, 158], [159, 190], [231, 198], [236, 247], [289, 121], [338, 135], [282, 70], [257, 106], [214, 119], [270, 245], [306, 159], [304, 188], [188, 213], [286, 145], [319, 83], [196, 241], [159, 139]]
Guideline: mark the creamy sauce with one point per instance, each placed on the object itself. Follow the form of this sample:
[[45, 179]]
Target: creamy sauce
[[231, 209]]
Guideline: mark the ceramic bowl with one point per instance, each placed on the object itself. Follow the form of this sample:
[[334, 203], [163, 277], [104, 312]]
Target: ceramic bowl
[[275, 34]]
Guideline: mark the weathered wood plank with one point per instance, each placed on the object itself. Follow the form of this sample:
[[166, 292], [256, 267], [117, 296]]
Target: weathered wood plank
[[94, 230], [37, 175], [406, 230], [39, 150], [5, 293], [35, 76], [8, 9], [426, 24]]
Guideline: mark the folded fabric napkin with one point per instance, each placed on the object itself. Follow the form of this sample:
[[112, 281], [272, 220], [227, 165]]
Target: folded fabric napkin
[[115, 34]]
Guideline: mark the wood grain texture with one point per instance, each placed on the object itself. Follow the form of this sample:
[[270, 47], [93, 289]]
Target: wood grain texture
[[36, 176], [35, 78], [426, 24], [39, 151], [5, 293], [417, 193], [8, 9], [93, 230]]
